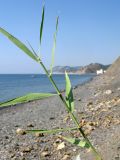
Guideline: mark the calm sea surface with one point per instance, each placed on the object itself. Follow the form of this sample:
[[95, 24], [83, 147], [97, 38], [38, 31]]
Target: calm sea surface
[[14, 85]]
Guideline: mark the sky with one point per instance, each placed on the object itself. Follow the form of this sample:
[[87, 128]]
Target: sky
[[89, 32]]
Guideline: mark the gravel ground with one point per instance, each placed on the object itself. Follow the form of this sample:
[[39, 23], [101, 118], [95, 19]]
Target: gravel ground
[[98, 111]]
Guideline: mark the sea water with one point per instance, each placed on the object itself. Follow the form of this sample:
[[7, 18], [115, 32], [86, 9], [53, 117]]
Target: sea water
[[14, 85]]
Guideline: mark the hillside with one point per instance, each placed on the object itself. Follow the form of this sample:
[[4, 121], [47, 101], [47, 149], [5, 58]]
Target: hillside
[[91, 68]]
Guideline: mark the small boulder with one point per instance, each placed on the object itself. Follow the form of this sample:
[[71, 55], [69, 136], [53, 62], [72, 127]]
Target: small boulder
[[108, 92], [61, 146], [45, 154], [20, 131], [26, 149]]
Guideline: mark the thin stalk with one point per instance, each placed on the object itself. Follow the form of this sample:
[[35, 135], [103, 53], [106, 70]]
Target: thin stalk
[[52, 131], [98, 157]]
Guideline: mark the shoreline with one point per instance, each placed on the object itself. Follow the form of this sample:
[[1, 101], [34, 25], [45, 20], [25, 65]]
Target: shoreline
[[62, 91]]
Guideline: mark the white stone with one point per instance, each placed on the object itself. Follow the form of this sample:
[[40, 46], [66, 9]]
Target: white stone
[[108, 92], [61, 146], [20, 131]]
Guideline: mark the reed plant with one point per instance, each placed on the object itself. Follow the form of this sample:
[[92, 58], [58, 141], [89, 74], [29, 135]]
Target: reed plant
[[68, 99]]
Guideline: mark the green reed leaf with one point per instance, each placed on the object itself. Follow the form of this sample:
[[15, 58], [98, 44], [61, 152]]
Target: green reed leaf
[[57, 21], [26, 98], [77, 142], [51, 131], [42, 23], [69, 94], [54, 46], [18, 43]]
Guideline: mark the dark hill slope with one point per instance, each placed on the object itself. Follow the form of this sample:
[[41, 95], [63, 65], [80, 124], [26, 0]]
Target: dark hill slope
[[114, 69]]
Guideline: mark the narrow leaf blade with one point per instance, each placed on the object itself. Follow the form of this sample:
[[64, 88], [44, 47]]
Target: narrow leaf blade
[[77, 142], [54, 46], [51, 131], [69, 94], [18, 43], [26, 98], [42, 24]]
